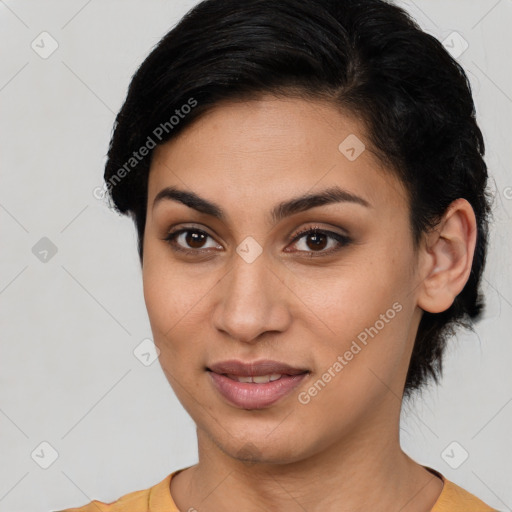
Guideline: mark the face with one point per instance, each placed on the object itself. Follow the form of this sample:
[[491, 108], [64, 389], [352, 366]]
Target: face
[[285, 324]]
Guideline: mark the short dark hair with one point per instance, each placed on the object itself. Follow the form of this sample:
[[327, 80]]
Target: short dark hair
[[367, 57]]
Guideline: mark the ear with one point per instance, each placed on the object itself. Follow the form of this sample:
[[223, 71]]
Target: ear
[[447, 257]]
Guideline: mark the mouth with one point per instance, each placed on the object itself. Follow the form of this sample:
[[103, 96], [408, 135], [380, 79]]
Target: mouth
[[255, 385]]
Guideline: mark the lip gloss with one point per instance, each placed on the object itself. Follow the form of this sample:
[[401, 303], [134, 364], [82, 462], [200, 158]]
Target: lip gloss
[[249, 395]]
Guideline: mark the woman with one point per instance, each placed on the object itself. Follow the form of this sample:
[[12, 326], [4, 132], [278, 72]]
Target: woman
[[308, 186]]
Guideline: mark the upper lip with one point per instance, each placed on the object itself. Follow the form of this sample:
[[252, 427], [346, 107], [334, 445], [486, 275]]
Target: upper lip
[[252, 368]]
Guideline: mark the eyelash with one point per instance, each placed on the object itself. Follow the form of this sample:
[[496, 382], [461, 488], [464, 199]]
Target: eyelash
[[342, 240]]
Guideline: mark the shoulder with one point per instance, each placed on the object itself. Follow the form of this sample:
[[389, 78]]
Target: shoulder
[[137, 500], [153, 499], [454, 498]]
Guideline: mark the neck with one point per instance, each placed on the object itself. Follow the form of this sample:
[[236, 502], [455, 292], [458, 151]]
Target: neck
[[365, 471]]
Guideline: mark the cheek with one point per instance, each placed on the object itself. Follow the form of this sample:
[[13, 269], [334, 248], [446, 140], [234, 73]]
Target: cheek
[[364, 356], [175, 299], [366, 306], [163, 306], [352, 296]]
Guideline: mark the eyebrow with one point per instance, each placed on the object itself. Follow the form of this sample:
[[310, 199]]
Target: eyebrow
[[282, 210]]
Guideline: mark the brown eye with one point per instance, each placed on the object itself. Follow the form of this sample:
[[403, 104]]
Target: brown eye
[[190, 240], [314, 240], [195, 239]]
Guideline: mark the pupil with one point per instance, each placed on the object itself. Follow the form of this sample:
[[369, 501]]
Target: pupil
[[317, 243], [194, 238]]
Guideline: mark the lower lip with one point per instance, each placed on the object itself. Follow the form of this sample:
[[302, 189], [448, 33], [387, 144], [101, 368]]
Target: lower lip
[[248, 395]]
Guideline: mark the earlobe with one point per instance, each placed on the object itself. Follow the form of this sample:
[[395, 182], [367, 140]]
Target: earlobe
[[448, 251]]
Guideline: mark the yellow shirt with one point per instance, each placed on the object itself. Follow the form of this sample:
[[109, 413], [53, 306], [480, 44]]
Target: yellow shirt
[[158, 499]]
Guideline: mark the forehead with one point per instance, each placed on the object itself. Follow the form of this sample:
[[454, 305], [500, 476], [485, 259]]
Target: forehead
[[260, 151]]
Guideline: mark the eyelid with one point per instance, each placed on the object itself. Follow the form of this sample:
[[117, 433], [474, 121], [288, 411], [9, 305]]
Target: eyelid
[[315, 228], [342, 239], [171, 236]]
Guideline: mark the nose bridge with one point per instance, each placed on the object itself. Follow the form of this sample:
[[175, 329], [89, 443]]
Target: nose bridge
[[250, 301]]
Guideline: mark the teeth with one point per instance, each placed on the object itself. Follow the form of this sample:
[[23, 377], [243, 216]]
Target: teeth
[[256, 379], [261, 379]]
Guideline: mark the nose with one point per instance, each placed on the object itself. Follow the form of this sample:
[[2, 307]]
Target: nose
[[251, 300]]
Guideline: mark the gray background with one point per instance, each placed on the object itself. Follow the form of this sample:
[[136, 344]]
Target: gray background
[[72, 320]]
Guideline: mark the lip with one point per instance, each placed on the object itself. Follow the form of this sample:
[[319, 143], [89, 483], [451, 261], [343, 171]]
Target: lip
[[248, 395], [249, 369]]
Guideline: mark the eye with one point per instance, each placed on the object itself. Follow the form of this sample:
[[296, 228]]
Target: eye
[[313, 240], [316, 240], [189, 240]]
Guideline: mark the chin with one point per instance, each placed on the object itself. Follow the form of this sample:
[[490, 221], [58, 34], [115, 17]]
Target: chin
[[260, 450]]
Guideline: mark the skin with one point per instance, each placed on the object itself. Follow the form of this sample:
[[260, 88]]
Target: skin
[[339, 452]]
